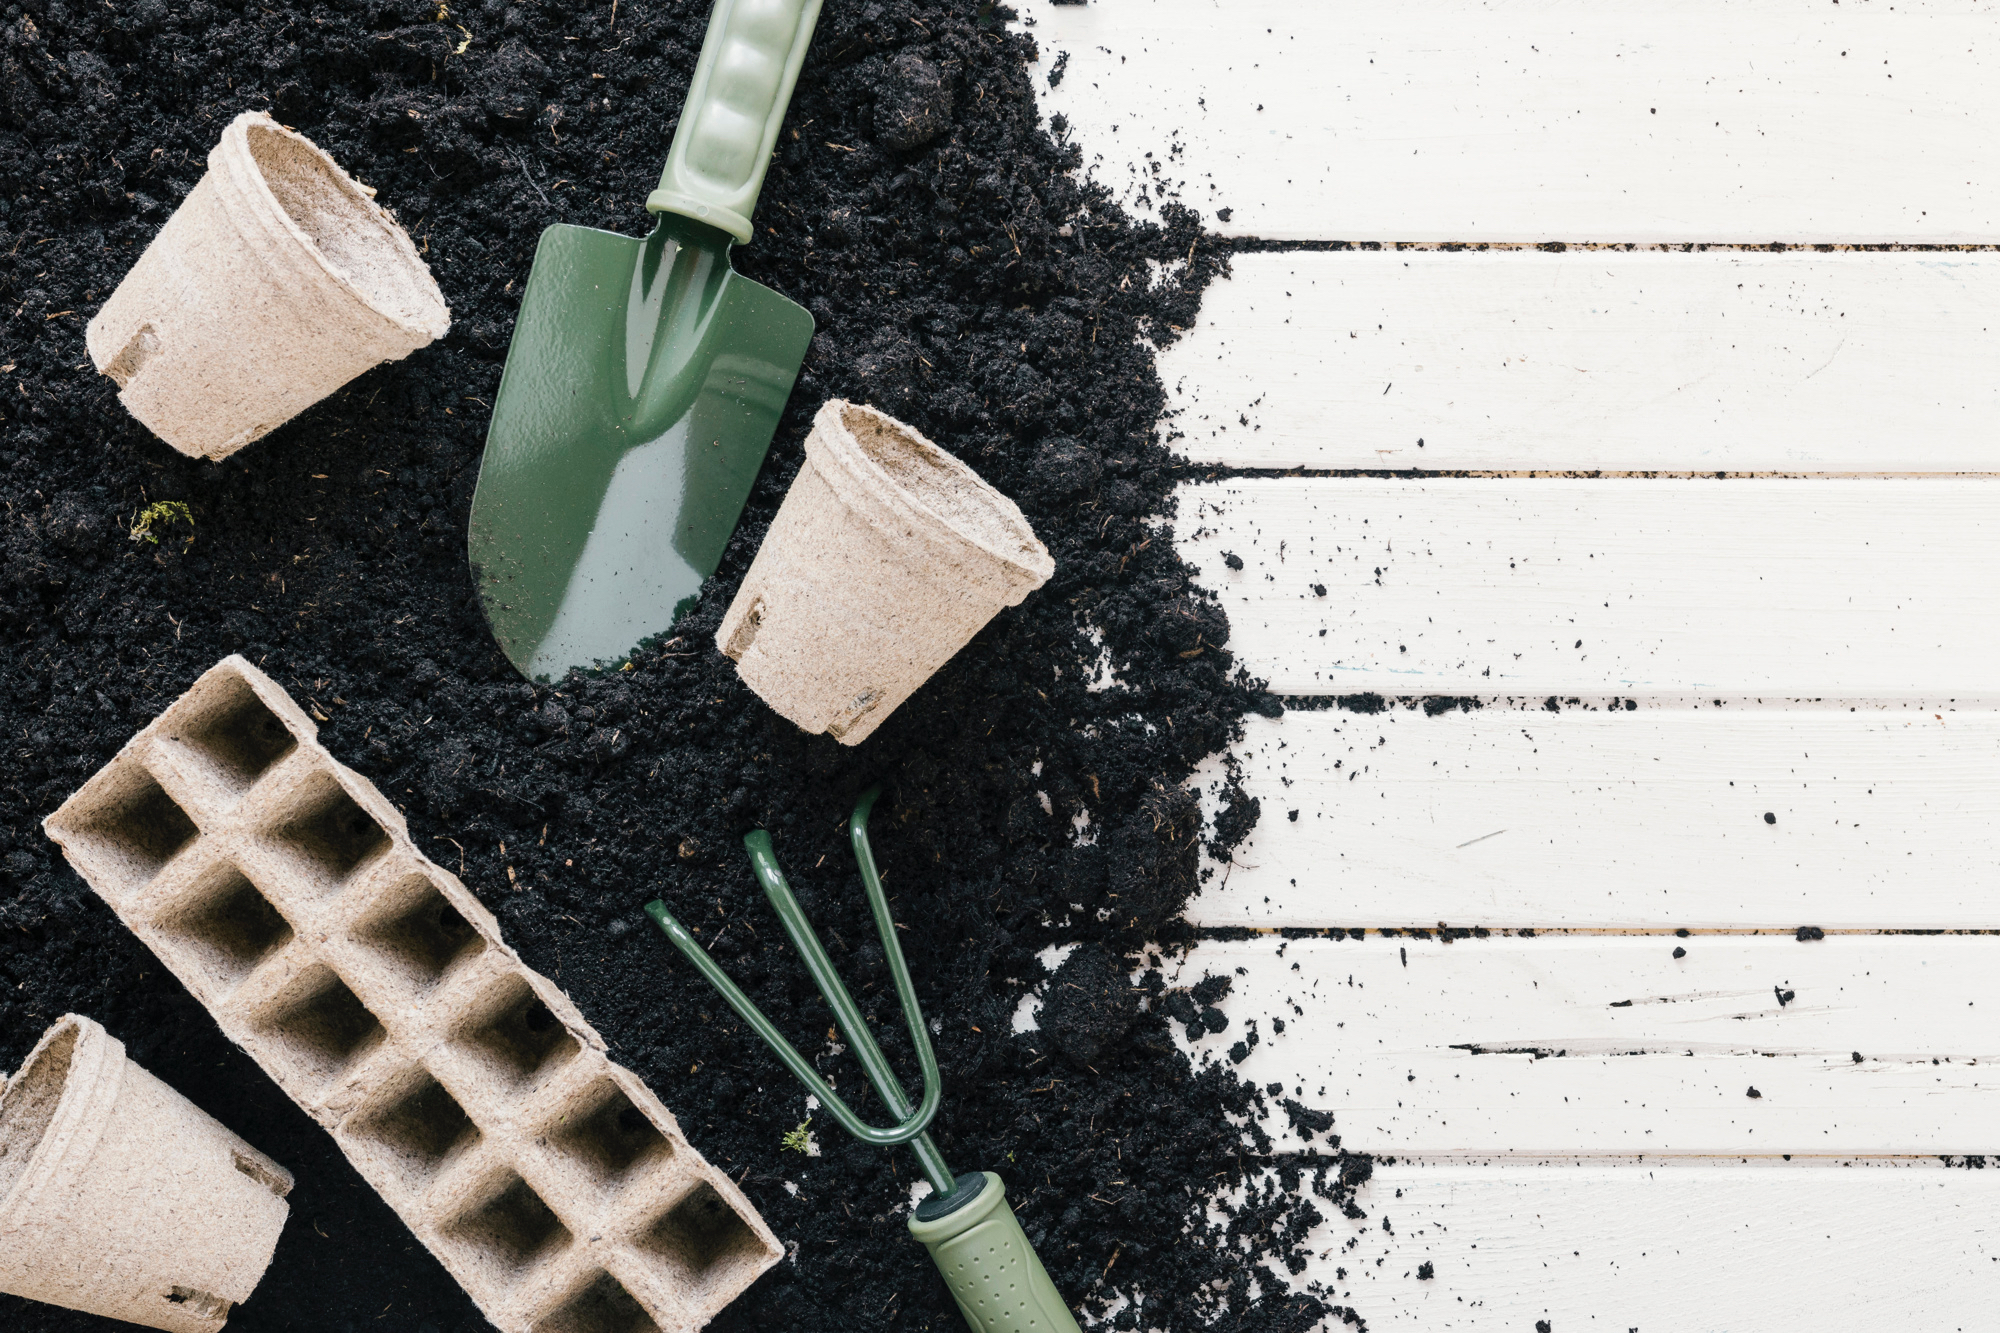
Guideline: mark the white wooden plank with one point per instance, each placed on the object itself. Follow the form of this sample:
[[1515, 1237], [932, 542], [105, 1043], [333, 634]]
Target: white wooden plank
[[1797, 588], [1577, 1044], [1520, 360], [1509, 817], [1832, 1248], [1458, 120]]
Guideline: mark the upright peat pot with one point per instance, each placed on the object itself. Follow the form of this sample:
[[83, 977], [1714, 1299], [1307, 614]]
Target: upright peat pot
[[120, 1197], [885, 558], [973, 1237]]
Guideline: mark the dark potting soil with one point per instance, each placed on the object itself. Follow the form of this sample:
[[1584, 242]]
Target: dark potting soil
[[963, 280]]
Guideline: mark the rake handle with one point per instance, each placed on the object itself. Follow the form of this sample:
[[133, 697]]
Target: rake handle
[[735, 103], [985, 1258]]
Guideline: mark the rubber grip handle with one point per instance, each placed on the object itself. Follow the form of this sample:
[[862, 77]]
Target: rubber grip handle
[[994, 1274], [735, 104]]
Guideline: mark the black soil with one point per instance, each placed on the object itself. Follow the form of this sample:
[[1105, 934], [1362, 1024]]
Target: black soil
[[964, 281]]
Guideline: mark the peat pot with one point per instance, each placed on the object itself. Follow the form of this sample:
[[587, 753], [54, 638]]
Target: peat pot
[[120, 1197], [885, 558], [276, 281]]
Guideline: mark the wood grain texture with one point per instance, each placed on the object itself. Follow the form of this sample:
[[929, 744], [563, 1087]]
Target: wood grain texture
[[1576, 1044], [1700, 817], [1661, 1248], [1573, 1091], [1777, 588], [1551, 120], [1521, 360]]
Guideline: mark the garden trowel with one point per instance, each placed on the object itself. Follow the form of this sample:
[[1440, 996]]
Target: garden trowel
[[645, 380]]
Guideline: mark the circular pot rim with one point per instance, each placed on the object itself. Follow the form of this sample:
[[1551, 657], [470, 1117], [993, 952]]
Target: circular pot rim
[[236, 160], [89, 1090], [849, 462]]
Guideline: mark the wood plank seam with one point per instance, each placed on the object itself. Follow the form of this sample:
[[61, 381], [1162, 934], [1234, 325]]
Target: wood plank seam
[[1793, 121], [1457, 586], [1842, 818], [1190, 470], [1525, 364], [1255, 245], [1446, 933], [1561, 1047]]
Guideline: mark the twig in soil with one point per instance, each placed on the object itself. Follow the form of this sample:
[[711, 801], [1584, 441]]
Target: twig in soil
[[531, 180], [456, 843]]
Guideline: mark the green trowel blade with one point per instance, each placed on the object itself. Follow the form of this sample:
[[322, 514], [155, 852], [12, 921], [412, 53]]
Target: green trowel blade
[[642, 388]]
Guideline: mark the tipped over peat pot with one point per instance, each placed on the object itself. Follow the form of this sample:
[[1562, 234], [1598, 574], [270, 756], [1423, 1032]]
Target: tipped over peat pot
[[276, 281], [886, 557], [120, 1197]]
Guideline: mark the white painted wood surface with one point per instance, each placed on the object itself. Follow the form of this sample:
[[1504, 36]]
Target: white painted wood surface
[[1583, 1044], [1655, 819], [1788, 121], [1825, 1247], [1520, 360], [1775, 588], [1577, 120]]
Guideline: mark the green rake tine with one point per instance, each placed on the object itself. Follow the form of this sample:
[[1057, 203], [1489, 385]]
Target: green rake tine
[[847, 1015]]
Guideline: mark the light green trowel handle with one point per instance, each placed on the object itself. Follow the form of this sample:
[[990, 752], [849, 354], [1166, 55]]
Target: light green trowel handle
[[993, 1273], [742, 84]]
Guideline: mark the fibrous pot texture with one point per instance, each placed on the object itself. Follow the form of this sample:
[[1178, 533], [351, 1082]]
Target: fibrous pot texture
[[278, 280], [885, 558], [120, 1197], [371, 985]]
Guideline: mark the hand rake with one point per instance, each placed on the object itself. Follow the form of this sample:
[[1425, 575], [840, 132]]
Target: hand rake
[[972, 1235]]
